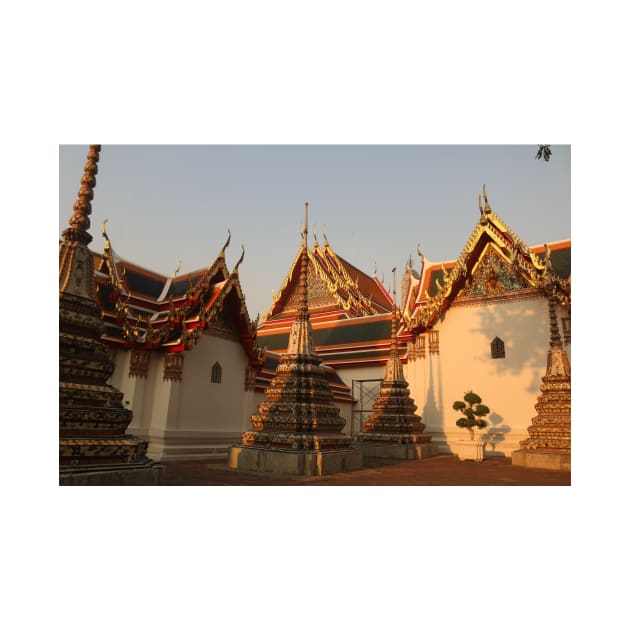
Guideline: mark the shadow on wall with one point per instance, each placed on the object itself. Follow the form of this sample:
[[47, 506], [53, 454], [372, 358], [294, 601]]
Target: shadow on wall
[[520, 326], [496, 431], [431, 412]]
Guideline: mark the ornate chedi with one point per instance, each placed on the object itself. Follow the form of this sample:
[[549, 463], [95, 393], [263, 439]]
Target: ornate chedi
[[93, 447], [394, 421], [298, 429], [549, 444]]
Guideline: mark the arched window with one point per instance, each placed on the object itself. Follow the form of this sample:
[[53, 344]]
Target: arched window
[[216, 373], [497, 349]]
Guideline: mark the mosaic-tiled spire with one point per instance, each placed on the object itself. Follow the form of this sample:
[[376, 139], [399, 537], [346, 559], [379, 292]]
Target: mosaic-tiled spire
[[394, 419], [92, 418], [551, 429], [80, 220], [298, 412]]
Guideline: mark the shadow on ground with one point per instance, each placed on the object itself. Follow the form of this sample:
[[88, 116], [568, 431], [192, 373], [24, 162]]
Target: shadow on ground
[[442, 470]]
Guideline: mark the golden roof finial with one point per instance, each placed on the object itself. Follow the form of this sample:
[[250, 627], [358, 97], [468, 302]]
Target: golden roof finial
[[394, 291], [303, 286], [326, 244], [487, 209], [315, 239], [240, 260], [222, 252], [104, 233], [80, 220], [420, 253]]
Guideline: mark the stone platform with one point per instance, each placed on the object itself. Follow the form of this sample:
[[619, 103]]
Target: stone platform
[[547, 460], [292, 462], [397, 451], [142, 474]]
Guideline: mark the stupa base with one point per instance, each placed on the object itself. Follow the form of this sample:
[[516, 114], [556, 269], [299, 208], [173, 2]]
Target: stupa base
[[146, 473], [548, 460], [397, 451], [293, 462]]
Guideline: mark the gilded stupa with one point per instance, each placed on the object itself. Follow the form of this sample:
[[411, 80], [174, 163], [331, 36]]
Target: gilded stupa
[[93, 446], [393, 429], [298, 429], [549, 444]]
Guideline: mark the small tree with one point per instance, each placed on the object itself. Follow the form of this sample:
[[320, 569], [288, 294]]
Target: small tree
[[544, 151], [472, 411]]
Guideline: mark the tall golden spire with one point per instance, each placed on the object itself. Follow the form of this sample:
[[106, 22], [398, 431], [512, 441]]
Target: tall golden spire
[[303, 300], [301, 335], [92, 418], [80, 220], [298, 413], [550, 430]]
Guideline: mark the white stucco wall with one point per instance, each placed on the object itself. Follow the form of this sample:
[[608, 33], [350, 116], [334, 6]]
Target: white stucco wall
[[219, 407], [192, 418], [509, 386]]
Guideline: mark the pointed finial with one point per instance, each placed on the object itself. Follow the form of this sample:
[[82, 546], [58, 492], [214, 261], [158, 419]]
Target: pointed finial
[[420, 253], [480, 206], [303, 298], [222, 252], [179, 266], [375, 272], [316, 241], [394, 291], [240, 260], [325, 237], [104, 233], [487, 209], [80, 220]]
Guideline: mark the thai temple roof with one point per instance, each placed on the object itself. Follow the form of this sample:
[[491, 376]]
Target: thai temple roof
[[148, 310], [337, 287], [516, 269], [350, 311]]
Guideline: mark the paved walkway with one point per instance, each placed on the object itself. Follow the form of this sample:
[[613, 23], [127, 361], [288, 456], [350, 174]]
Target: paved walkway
[[442, 470]]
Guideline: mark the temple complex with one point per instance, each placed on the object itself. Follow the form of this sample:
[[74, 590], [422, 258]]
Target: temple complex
[[549, 444], [335, 371], [298, 429], [394, 429], [94, 448]]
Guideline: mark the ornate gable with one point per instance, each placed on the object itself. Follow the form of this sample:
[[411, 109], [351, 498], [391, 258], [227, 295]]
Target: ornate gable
[[493, 276], [333, 284], [319, 294], [494, 264]]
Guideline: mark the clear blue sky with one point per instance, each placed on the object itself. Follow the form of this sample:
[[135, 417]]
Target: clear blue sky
[[376, 202]]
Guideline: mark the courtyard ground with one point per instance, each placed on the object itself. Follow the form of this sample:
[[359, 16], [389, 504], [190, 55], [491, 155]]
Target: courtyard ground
[[442, 470]]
